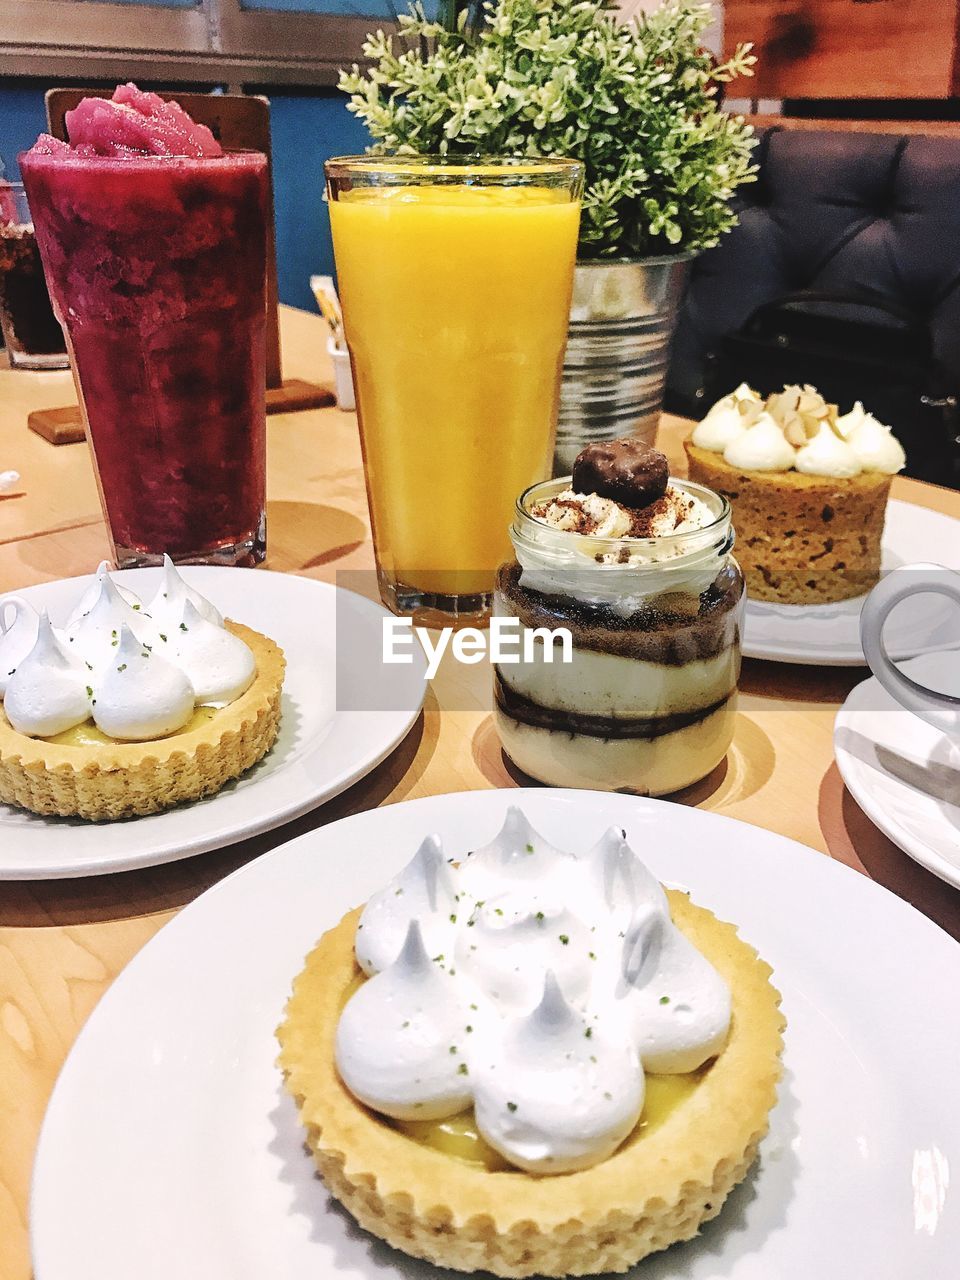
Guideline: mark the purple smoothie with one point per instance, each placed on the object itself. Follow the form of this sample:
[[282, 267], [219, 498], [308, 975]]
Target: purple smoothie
[[156, 263]]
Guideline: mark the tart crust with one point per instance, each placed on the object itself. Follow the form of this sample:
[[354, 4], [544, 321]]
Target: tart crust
[[657, 1189], [130, 779]]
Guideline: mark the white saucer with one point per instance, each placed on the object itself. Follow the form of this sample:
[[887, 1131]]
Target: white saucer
[[829, 634], [170, 1150], [323, 746], [903, 773]]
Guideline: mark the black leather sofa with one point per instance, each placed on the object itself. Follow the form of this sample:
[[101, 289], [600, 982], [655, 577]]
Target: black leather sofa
[[831, 211]]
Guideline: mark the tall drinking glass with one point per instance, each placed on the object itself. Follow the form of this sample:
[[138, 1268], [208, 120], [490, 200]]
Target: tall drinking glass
[[31, 334], [455, 278], [157, 272]]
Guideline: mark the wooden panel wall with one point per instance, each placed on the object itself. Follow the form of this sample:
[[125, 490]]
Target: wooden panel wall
[[847, 48]]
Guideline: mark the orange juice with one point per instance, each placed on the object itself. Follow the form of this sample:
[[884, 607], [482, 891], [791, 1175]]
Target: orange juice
[[456, 301]]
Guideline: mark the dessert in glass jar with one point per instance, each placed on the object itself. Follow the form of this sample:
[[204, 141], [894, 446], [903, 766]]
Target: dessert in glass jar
[[639, 568]]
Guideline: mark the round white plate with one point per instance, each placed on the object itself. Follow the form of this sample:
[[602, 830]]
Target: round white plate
[[829, 634], [322, 748], [903, 773], [170, 1148]]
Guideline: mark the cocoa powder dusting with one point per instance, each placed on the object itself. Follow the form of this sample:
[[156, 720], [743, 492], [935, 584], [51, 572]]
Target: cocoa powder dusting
[[582, 521], [661, 517]]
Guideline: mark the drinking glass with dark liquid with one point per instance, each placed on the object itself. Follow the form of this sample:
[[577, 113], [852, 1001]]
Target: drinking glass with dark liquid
[[154, 242], [31, 332]]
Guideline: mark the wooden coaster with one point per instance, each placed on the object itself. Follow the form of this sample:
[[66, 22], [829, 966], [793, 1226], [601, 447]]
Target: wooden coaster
[[294, 394], [59, 426], [65, 426]]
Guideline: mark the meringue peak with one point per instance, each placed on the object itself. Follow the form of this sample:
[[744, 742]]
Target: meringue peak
[[218, 663], [397, 1039], [169, 600], [413, 961], [624, 881], [429, 864], [642, 946], [92, 595], [48, 692], [97, 633], [553, 1015], [516, 852], [422, 893], [139, 694]]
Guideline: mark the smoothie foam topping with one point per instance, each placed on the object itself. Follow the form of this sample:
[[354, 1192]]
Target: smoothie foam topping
[[537, 985], [153, 243], [131, 124]]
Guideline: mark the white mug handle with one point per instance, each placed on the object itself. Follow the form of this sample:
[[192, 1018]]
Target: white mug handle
[[942, 710], [19, 606]]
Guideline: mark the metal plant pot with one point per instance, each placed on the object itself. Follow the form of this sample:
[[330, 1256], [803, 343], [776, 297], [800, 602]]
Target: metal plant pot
[[621, 324]]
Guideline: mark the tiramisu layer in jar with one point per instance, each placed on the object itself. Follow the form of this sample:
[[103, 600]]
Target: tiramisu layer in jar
[[639, 568]]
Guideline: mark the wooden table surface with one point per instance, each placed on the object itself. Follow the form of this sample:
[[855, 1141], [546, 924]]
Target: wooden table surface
[[63, 942]]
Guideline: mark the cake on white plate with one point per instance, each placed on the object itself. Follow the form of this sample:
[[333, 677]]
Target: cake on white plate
[[808, 488]]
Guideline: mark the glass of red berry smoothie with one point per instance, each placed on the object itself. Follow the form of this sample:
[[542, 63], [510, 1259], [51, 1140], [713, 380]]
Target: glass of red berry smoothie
[[154, 246]]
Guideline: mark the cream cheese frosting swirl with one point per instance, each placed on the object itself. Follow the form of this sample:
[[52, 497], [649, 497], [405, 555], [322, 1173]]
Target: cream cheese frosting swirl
[[136, 672], [761, 447], [874, 444], [797, 429], [536, 985], [725, 421]]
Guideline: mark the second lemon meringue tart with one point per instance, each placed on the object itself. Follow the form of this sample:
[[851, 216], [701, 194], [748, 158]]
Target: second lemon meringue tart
[[530, 1062], [132, 707]]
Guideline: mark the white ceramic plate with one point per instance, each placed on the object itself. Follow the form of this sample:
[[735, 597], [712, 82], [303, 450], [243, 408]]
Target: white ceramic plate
[[829, 634], [903, 773], [322, 747], [171, 1150]]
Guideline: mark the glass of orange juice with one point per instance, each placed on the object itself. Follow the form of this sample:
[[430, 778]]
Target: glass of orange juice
[[455, 278]]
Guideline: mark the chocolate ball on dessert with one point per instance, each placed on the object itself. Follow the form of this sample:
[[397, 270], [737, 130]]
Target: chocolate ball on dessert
[[626, 471]]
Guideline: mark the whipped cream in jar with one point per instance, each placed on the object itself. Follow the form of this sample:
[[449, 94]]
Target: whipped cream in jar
[[646, 583]]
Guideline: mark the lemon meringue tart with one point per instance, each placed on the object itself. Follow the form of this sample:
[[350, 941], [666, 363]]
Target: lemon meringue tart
[[132, 707], [530, 1062]]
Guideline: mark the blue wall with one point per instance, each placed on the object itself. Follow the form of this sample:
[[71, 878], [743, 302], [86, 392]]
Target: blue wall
[[307, 129], [22, 117]]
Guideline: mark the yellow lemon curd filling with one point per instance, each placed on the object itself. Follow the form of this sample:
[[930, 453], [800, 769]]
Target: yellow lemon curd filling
[[88, 735], [459, 1137]]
